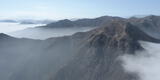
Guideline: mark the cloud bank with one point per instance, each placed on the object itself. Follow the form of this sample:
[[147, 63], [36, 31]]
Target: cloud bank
[[146, 63]]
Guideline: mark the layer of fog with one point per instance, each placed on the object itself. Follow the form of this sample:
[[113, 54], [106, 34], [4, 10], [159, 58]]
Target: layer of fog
[[145, 63], [12, 27], [44, 33], [29, 30]]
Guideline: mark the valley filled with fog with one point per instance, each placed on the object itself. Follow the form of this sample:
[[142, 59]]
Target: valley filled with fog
[[42, 33], [6, 27], [34, 32]]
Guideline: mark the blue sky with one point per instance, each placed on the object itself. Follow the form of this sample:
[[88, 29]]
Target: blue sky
[[60, 9]]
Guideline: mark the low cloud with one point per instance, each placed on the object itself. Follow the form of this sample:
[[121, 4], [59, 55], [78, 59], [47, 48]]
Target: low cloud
[[145, 63]]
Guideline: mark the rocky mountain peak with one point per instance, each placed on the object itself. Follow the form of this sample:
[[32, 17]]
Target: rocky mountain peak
[[121, 35], [114, 35]]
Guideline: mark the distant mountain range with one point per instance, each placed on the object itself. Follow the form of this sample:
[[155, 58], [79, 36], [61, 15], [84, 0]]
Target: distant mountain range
[[148, 24], [27, 21], [100, 21], [91, 55], [9, 21], [95, 22]]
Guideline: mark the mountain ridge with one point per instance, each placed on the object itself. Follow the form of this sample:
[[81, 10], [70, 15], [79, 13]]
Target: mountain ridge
[[81, 22]]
